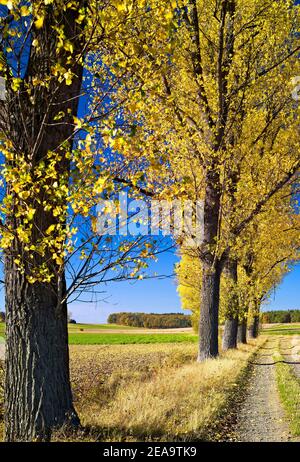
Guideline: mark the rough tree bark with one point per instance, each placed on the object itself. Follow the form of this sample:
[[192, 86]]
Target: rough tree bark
[[211, 273], [230, 333], [38, 395], [253, 329], [242, 331], [212, 266], [231, 315], [209, 313]]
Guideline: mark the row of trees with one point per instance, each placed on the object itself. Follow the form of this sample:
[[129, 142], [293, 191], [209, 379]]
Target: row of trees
[[280, 316], [210, 98], [150, 320], [261, 264], [180, 99]]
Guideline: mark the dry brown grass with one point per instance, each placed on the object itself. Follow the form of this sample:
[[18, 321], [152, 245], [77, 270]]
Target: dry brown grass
[[157, 392], [98, 371], [152, 392], [1, 398]]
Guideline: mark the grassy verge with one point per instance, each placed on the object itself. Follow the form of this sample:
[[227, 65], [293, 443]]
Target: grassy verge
[[289, 391], [1, 398], [125, 339], [282, 331], [151, 398]]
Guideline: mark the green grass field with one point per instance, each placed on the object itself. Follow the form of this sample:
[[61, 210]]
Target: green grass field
[[126, 339], [289, 390], [77, 336], [282, 329]]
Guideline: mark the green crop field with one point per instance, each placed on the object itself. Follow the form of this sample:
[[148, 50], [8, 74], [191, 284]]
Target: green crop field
[[78, 336], [292, 325], [122, 339], [282, 329], [90, 334]]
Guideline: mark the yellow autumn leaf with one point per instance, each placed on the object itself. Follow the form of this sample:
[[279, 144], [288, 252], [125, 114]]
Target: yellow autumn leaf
[[169, 15], [16, 82], [30, 213], [77, 122], [50, 229], [24, 195], [39, 22], [68, 46], [24, 10], [16, 188], [59, 260], [68, 77], [99, 185], [31, 279]]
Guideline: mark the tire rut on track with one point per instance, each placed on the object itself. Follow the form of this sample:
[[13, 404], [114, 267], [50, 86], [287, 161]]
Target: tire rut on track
[[261, 416], [290, 349]]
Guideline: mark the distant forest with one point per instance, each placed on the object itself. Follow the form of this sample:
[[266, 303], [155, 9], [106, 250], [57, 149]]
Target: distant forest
[[151, 320], [280, 316], [175, 320]]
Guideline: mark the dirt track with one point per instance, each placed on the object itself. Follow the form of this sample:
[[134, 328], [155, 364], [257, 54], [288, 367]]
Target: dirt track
[[261, 416]]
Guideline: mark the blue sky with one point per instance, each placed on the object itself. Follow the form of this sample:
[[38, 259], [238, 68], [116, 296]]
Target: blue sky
[[157, 295], [160, 296], [287, 294]]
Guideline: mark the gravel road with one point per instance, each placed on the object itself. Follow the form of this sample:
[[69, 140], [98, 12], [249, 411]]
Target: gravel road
[[261, 416]]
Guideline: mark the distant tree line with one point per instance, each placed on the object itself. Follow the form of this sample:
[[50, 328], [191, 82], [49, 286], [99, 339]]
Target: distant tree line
[[281, 316], [150, 320], [2, 316]]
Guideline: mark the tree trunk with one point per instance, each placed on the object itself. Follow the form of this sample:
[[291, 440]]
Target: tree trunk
[[230, 333], [231, 314], [38, 395], [209, 314], [242, 331], [253, 329], [211, 272]]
